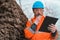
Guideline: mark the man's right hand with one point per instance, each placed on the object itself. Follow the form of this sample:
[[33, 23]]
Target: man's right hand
[[37, 20]]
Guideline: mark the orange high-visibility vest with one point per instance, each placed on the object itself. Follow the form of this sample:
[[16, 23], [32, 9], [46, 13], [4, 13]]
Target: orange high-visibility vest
[[30, 34]]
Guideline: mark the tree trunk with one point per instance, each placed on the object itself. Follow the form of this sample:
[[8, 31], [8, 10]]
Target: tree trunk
[[12, 21]]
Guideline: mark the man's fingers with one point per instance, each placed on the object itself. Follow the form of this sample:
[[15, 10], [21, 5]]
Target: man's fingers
[[52, 28], [52, 25]]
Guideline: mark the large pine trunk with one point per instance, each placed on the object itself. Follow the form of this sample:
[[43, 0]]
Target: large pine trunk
[[12, 21]]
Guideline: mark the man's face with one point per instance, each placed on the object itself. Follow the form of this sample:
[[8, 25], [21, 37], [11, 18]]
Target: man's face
[[38, 11]]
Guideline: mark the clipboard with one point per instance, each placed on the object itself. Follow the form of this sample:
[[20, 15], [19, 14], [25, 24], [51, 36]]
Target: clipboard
[[47, 21]]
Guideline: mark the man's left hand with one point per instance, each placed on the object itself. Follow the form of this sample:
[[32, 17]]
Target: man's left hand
[[52, 28]]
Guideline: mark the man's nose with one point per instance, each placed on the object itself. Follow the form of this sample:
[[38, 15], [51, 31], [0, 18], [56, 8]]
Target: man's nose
[[38, 12]]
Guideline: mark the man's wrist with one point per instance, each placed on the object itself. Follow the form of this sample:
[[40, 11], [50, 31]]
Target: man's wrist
[[54, 34]]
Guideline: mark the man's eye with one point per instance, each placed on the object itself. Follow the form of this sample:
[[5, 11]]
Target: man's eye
[[36, 10]]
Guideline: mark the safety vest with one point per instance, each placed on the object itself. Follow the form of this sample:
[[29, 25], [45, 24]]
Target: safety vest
[[36, 35]]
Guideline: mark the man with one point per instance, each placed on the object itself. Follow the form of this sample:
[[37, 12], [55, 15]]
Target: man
[[32, 26]]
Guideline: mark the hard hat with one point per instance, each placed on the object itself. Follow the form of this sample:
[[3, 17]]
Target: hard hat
[[38, 4]]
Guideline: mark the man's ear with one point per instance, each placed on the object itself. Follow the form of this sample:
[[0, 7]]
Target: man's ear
[[33, 9]]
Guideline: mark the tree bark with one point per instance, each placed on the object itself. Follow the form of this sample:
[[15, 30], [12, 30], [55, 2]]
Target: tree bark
[[12, 21]]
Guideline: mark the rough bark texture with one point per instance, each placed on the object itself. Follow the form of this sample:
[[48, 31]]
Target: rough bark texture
[[12, 21]]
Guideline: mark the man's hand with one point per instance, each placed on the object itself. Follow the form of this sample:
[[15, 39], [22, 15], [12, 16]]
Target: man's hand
[[52, 28], [37, 20]]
